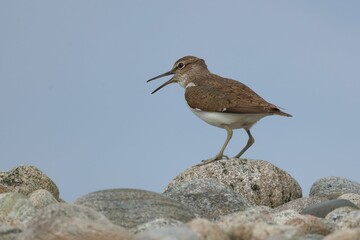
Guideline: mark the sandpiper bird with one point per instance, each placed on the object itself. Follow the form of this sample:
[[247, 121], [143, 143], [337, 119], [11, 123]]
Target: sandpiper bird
[[219, 101]]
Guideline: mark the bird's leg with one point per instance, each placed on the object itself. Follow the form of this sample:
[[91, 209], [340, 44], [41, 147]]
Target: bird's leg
[[220, 155], [249, 143]]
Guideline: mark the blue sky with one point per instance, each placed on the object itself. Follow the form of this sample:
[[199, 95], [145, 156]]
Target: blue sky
[[74, 100]]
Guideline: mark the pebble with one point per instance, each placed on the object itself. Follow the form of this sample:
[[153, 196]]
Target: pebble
[[208, 198], [333, 187], [132, 207], [261, 182]]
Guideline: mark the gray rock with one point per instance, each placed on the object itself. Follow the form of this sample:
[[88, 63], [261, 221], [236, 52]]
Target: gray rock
[[156, 224], [323, 208], [299, 204], [168, 233], [16, 206], [208, 198], [132, 207], [72, 222], [260, 182], [333, 187], [26, 179], [41, 198]]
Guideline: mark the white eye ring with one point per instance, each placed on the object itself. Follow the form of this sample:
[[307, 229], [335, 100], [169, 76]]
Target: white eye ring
[[180, 65]]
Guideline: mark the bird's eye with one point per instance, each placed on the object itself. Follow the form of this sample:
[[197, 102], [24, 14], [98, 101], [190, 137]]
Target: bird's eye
[[180, 65]]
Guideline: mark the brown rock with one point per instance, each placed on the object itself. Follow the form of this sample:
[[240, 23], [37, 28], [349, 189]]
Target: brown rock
[[26, 179], [260, 182], [299, 204]]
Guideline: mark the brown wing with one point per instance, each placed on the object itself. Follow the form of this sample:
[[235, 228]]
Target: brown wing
[[226, 95]]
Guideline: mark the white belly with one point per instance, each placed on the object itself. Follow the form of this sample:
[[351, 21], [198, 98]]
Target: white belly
[[232, 120]]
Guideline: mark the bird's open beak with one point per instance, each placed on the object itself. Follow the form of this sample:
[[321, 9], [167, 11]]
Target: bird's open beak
[[166, 83]]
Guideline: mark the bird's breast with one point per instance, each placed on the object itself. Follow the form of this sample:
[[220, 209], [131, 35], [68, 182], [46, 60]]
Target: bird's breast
[[232, 120]]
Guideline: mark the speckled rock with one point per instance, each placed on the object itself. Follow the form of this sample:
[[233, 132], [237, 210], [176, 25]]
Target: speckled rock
[[207, 230], [262, 231], [337, 214], [26, 179], [259, 214], [208, 198], [132, 207], [16, 206], [261, 182], [333, 187], [323, 208], [354, 198], [299, 204], [156, 224], [347, 234], [351, 220], [168, 233], [41, 198], [72, 222]]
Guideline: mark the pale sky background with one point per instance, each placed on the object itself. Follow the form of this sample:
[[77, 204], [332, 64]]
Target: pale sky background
[[74, 101]]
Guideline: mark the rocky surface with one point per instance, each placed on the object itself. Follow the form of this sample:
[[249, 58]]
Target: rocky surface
[[192, 208], [261, 182]]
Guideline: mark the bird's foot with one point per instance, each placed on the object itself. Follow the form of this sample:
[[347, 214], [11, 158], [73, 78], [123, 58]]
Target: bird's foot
[[213, 159]]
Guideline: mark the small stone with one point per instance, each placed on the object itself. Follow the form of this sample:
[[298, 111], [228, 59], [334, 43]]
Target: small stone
[[131, 207], [323, 208], [26, 179], [168, 233], [207, 230], [261, 182], [156, 224], [16, 206], [208, 198], [41, 198], [72, 222], [333, 187]]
